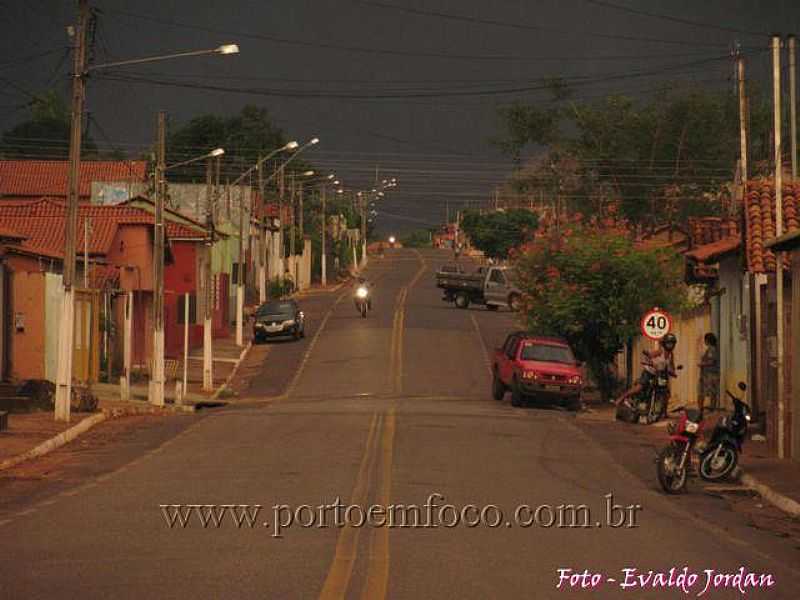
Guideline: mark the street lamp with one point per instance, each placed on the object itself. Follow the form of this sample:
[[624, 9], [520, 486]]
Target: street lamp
[[156, 391], [79, 75]]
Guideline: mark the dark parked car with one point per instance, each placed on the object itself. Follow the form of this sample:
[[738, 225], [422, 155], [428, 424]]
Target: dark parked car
[[278, 318]]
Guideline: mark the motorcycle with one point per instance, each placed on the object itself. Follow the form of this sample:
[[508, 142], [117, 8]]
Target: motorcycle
[[362, 300], [720, 457], [651, 402], [675, 459]]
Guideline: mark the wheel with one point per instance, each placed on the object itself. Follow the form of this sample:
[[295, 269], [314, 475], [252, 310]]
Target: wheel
[[363, 310], [514, 302], [716, 465], [492, 307], [671, 475], [626, 414], [574, 404], [498, 388], [296, 333], [517, 399], [462, 300]]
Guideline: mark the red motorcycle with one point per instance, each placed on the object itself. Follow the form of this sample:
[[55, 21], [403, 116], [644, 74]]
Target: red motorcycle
[[675, 459]]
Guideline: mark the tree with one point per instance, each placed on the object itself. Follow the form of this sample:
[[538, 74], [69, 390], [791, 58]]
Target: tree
[[685, 141], [46, 132], [245, 137], [592, 288], [496, 233], [419, 238]]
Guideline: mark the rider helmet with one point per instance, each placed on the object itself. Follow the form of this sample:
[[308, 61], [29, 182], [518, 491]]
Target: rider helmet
[[669, 341]]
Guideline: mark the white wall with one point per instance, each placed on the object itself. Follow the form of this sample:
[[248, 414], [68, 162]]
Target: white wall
[[54, 295]]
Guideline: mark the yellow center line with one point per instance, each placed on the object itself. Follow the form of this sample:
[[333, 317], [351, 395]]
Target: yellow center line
[[341, 569], [377, 578]]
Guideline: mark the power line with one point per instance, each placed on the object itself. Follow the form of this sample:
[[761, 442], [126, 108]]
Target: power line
[[674, 19], [528, 27]]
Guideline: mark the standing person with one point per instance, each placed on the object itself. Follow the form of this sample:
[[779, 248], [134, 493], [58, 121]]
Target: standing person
[[709, 373]]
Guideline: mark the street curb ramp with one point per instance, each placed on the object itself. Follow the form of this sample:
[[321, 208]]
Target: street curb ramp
[[777, 499], [55, 442]]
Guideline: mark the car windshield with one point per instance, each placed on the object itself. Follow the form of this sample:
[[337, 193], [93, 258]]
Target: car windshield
[[547, 353], [277, 309]]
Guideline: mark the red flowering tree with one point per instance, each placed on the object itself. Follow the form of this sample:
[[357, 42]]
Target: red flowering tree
[[592, 287]]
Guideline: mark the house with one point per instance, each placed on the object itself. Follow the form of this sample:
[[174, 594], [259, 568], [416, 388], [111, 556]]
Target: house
[[115, 260], [34, 179], [740, 270]]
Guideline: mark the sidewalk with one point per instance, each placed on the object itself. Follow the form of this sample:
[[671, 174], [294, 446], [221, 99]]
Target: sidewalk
[[777, 481]]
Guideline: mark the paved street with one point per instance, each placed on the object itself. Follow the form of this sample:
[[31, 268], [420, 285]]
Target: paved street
[[386, 410]]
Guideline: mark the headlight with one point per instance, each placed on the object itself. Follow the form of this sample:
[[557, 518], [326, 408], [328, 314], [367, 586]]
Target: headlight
[[747, 418], [691, 427], [260, 325], [362, 292], [289, 322], [574, 380], [530, 375]]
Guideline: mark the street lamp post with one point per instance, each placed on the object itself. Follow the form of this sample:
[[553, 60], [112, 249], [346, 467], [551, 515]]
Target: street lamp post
[[157, 379], [80, 73]]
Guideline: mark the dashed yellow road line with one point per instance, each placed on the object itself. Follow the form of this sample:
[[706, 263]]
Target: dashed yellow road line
[[377, 578], [341, 569]]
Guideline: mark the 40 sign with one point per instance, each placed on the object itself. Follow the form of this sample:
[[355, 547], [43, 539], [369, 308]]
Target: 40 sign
[[656, 323]]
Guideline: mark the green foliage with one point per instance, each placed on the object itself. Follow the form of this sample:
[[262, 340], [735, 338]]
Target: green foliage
[[419, 238], [496, 233], [279, 288], [46, 132], [245, 137], [592, 289], [682, 141]]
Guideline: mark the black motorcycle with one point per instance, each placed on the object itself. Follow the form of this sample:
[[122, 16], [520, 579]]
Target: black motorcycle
[[650, 404], [720, 457]]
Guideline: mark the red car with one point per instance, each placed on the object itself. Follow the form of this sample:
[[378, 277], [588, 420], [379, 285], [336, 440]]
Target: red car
[[538, 368]]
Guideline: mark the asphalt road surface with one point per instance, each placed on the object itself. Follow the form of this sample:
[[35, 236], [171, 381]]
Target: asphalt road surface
[[379, 412]]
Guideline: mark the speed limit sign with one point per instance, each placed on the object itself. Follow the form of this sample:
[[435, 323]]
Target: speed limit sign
[[656, 323]]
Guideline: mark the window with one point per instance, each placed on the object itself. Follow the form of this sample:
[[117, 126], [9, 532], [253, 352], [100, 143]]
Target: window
[[497, 277], [182, 309], [547, 353], [511, 346]]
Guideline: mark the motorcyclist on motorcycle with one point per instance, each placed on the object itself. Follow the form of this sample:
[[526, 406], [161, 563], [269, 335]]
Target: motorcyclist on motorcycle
[[361, 282], [660, 358]]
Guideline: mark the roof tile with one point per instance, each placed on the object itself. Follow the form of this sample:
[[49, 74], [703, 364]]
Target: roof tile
[[49, 177]]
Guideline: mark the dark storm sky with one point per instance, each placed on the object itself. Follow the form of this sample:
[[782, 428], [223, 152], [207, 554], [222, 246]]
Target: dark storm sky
[[325, 52]]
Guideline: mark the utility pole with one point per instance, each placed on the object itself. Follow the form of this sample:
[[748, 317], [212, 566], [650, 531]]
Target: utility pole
[[240, 273], [292, 256], [323, 257], [281, 192], [157, 374], [742, 120], [86, 229], [208, 373], [301, 237], [364, 229], [776, 97], [66, 329], [262, 237], [793, 101]]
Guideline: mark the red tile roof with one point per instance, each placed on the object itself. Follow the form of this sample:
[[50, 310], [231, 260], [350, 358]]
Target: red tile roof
[[706, 230], [42, 224], [49, 177], [759, 212], [710, 253]]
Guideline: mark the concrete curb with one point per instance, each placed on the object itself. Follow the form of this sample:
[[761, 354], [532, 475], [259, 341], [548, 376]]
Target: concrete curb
[[777, 499], [56, 441], [230, 377]]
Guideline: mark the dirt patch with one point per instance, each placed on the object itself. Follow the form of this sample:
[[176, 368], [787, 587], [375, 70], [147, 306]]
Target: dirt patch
[[26, 431]]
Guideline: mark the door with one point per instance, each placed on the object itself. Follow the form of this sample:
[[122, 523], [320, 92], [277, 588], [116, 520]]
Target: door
[[496, 287]]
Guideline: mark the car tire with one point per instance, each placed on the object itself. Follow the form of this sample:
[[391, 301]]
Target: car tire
[[498, 388], [514, 302], [462, 301], [296, 333], [574, 404], [517, 399]]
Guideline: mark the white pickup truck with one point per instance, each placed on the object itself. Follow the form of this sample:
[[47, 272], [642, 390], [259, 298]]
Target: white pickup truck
[[492, 286]]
